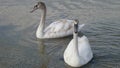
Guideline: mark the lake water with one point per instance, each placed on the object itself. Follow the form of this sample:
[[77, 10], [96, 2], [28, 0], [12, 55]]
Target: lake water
[[19, 47]]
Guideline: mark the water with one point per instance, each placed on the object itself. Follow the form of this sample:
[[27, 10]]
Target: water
[[19, 47]]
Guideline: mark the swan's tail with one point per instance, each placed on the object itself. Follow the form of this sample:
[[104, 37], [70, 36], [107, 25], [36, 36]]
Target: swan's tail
[[80, 26]]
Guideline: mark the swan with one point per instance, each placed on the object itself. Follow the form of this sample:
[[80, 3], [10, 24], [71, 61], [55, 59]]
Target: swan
[[78, 51], [57, 29]]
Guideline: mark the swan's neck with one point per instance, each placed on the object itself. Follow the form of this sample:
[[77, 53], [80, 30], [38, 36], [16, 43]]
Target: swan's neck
[[41, 26], [75, 40], [75, 36]]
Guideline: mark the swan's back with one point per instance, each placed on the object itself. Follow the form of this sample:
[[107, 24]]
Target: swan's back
[[59, 28]]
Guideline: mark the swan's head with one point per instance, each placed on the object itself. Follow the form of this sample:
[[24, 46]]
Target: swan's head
[[76, 26], [39, 5]]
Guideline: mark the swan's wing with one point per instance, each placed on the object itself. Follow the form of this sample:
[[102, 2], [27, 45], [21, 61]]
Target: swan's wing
[[84, 46], [80, 26], [59, 26]]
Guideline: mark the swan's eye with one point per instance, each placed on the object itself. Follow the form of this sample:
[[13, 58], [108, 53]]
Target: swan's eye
[[35, 6]]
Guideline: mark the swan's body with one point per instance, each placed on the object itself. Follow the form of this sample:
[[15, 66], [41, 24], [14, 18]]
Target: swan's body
[[60, 28], [77, 57], [78, 51]]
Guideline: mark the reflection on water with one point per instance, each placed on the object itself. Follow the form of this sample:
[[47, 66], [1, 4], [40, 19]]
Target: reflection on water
[[43, 54], [19, 47]]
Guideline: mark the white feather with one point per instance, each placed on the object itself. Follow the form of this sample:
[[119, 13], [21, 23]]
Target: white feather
[[60, 28], [78, 57]]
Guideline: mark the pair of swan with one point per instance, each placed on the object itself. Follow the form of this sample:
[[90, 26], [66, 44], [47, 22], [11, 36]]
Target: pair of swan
[[78, 51]]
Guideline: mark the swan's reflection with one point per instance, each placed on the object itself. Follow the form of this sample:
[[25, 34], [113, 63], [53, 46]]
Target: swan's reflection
[[43, 55]]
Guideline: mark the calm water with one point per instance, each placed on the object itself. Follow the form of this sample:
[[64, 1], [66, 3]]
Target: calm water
[[19, 48]]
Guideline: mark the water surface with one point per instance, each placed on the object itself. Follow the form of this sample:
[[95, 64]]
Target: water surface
[[19, 48]]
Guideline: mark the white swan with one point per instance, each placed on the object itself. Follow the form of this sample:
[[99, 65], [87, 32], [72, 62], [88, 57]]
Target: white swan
[[78, 51], [60, 28]]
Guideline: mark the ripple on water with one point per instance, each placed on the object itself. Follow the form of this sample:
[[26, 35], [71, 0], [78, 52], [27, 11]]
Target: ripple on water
[[19, 47]]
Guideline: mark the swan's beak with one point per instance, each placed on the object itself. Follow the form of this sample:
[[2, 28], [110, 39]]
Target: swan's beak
[[35, 8]]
